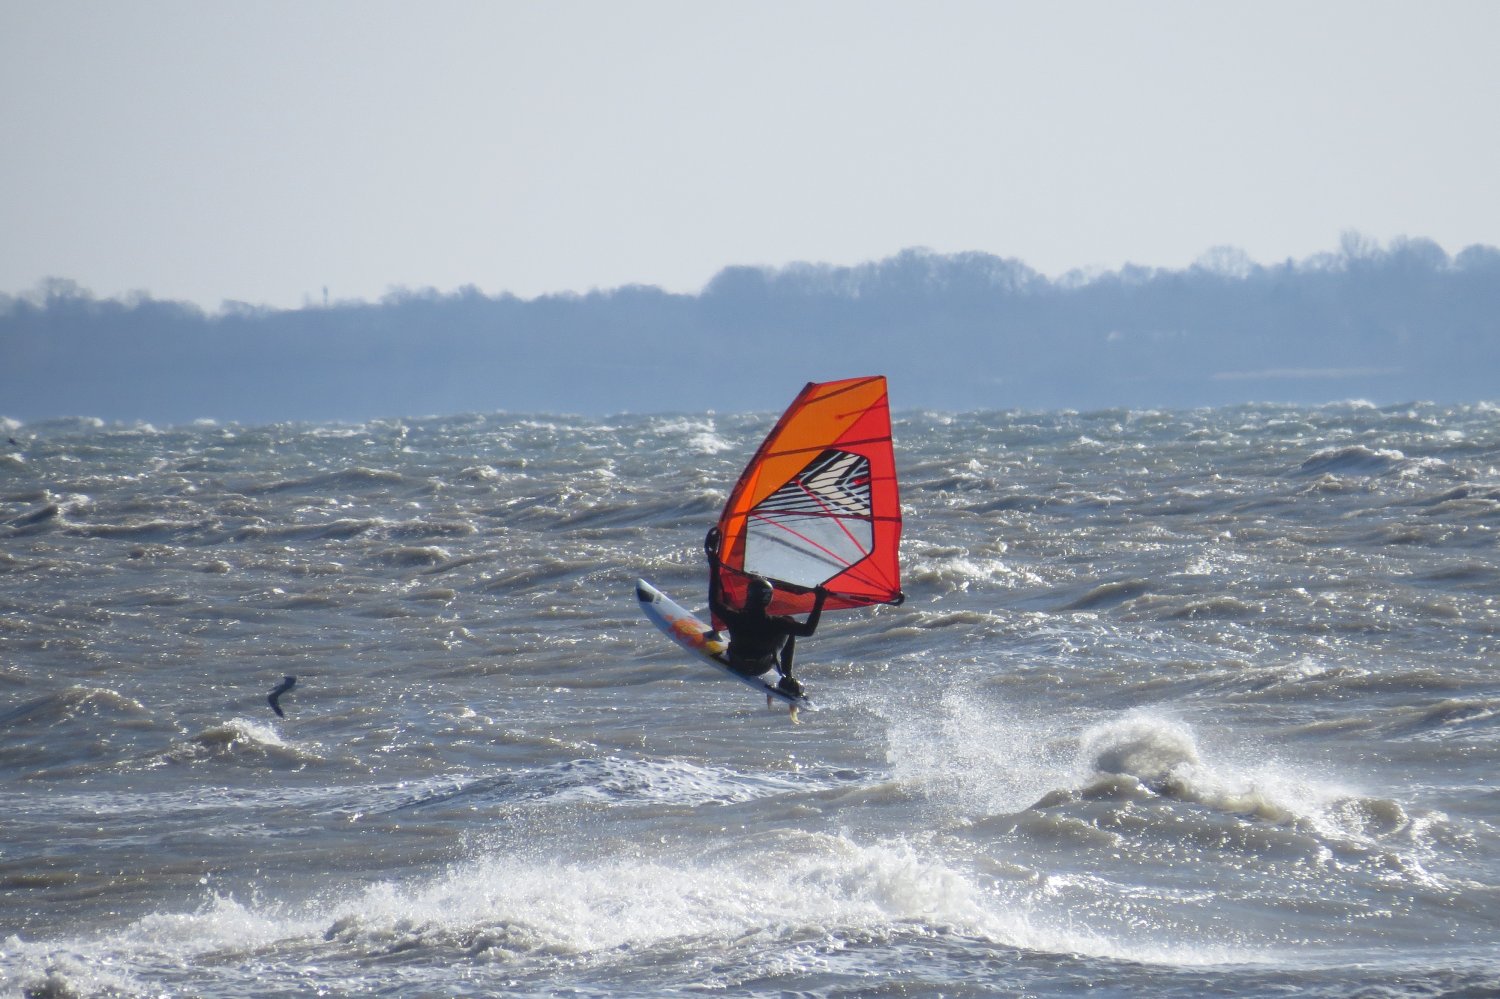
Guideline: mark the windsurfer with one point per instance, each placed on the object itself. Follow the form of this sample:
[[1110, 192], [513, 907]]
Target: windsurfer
[[759, 641]]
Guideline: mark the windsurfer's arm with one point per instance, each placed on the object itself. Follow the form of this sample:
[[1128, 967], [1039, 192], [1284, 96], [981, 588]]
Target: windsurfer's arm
[[806, 628], [711, 550]]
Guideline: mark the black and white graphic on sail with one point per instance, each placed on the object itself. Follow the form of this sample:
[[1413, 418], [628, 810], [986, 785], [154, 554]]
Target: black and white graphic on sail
[[815, 526]]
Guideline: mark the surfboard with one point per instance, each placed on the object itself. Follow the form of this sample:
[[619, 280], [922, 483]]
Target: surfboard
[[684, 628]]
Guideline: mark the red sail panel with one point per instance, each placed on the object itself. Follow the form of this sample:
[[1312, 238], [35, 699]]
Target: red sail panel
[[818, 505]]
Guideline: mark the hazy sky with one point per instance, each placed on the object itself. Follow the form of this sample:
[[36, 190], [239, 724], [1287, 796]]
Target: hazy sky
[[261, 151]]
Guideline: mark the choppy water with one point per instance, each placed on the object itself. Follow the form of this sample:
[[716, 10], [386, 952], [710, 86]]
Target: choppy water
[[1180, 704]]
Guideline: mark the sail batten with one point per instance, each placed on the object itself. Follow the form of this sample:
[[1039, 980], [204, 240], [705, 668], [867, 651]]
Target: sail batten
[[818, 504]]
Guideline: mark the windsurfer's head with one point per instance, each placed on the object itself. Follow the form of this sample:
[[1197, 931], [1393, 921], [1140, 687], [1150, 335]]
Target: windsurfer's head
[[758, 592]]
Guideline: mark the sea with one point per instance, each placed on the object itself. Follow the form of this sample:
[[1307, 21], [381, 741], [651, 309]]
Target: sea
[[1181, 703]]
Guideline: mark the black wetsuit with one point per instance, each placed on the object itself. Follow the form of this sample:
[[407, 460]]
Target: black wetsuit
[[759, 641]]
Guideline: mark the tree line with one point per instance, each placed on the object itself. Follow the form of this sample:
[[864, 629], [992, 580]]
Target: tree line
[[955, 332]]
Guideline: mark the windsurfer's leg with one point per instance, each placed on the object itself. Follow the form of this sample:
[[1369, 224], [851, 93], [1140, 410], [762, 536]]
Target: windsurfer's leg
[[787, 683], [753, 667]]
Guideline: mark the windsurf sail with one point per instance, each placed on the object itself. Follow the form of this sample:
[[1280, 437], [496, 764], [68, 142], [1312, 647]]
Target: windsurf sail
[[818, 505]]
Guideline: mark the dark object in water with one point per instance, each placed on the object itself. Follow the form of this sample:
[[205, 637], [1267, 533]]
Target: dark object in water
[[287, 683]]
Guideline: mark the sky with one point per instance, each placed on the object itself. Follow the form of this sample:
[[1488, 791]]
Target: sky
[[262, 152]]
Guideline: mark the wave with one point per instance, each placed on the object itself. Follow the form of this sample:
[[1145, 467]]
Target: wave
[[1464, 502], [952, 569], [1265, 809], [614, 780], [1009, 772], [724, 917], [1109, 595], [1452, 717], [74, 732], [1353, 460], [241, 742], [357, 479], [70, 704], [1149, 749], [41, 515]]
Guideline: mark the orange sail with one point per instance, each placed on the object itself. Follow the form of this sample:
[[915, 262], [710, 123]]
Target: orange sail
[[818, 505]]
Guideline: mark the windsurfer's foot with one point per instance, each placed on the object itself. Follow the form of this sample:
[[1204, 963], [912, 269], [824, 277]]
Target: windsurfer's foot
[[789, 685]]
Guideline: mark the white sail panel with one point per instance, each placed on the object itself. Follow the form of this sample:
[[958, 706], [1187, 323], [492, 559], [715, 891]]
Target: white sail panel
[[815, 526]]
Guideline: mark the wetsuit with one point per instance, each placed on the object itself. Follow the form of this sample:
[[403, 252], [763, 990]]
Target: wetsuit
[[759, 641]]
